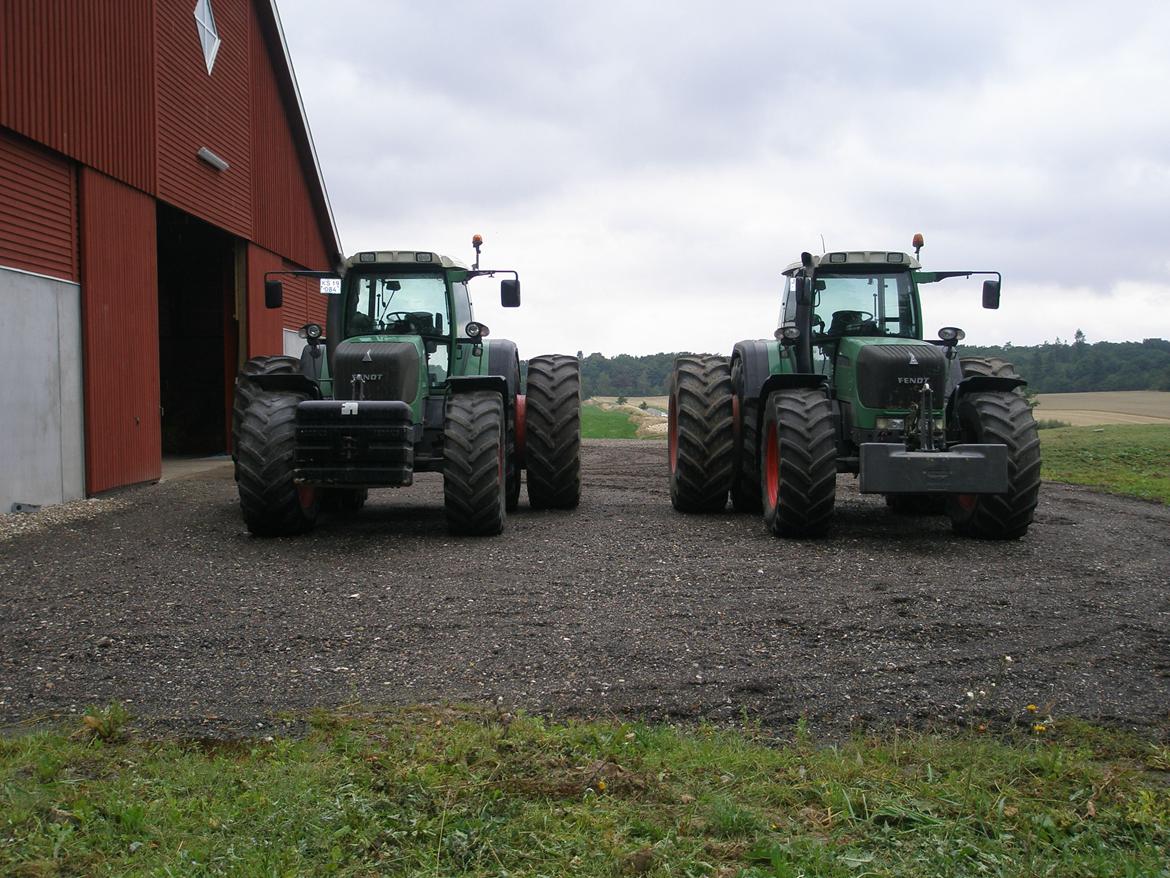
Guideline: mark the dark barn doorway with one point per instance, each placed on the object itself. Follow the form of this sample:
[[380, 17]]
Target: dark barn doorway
[[198, 337]]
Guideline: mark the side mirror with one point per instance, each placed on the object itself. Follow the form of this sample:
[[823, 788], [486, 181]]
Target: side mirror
[[273, 294], [991, 294], [510, 293]]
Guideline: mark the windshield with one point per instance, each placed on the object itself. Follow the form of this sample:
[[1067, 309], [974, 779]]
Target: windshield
[[866, 303], [402, 304]]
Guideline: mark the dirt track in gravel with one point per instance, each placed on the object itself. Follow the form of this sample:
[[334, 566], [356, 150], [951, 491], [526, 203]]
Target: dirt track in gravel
[[159, 597]]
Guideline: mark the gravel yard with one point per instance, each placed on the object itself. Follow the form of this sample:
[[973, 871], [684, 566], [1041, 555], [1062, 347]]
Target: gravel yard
[[159, 597]]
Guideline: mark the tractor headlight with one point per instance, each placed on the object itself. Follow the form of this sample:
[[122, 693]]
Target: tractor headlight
[[890, 424], [951, 333]]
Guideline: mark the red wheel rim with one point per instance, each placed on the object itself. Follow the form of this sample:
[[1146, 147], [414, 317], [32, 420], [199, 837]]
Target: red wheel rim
[[736, 427], [307, 495], [521, 425], [966, 501], [772, 467]]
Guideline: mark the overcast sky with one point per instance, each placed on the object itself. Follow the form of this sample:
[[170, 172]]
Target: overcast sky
[[651, 168]]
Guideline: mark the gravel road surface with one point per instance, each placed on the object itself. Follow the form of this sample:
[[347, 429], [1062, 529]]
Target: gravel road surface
[[159, 597]]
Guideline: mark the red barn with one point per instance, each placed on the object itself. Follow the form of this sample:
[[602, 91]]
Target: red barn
[[155, 162]]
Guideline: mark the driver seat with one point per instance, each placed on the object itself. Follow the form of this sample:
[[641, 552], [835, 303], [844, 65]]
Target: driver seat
[[851, 323]]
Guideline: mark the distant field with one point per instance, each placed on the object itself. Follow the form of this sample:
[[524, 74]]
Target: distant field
[[1091, 409], [599, 423], [603, 418], [1131, 459]]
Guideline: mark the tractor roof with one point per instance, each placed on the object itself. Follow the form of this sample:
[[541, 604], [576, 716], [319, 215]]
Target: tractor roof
[[401, 259], [886, 259]]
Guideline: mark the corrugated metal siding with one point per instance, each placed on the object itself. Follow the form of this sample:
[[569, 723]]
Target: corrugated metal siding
[[285, 221], [77, 77], [265, 335], [119, 301], [196, 110], [38, 209], [303, 302]]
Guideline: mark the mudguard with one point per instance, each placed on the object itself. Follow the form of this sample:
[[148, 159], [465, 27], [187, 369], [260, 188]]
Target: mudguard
[[469, 383], [754, 357], [793, 379], [286, 383], [980, 384], [501, 360]]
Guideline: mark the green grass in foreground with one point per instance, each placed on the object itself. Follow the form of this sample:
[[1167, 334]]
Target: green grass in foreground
[[1131, 459], [430, 791], [596, 423]]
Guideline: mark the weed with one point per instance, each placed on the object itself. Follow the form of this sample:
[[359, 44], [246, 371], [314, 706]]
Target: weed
[[105, 724]]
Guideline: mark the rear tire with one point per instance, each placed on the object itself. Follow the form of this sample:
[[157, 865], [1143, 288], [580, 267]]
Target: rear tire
[[701, 439], [512, 460], [473, 463], [346, 501], [798, 463], [745, 484], [271, 503], [552, 443], [917, 504], [992, 367], [1001, 417]]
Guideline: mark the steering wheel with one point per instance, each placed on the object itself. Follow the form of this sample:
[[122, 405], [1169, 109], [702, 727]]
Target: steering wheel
[[395, 319]]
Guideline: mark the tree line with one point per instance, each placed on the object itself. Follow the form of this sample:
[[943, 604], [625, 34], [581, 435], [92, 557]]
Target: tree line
[[1051, 367]]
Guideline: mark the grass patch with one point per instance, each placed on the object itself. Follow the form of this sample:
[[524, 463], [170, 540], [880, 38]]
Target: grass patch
[[597, 423], [447, 792], [1131, 459]]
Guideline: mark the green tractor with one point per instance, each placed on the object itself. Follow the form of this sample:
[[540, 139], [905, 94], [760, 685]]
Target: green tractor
[[404, 381], [849, 385]]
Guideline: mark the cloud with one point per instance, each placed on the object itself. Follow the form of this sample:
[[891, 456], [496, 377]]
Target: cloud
[[650, 170]]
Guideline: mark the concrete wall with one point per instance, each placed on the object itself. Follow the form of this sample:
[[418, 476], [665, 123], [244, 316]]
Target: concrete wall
[[42, 456]]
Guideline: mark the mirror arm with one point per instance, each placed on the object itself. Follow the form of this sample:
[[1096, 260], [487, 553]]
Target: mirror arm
[[492, 272]]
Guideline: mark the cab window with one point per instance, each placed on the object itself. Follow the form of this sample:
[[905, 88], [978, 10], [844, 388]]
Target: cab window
[[398, 304], [865, 303]]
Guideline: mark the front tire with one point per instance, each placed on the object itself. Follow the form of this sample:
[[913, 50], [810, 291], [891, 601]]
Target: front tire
[[1004, 418], [272, 504], [701, 440], [474, 478], [798, 463], [552, 442], [246, 389]]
